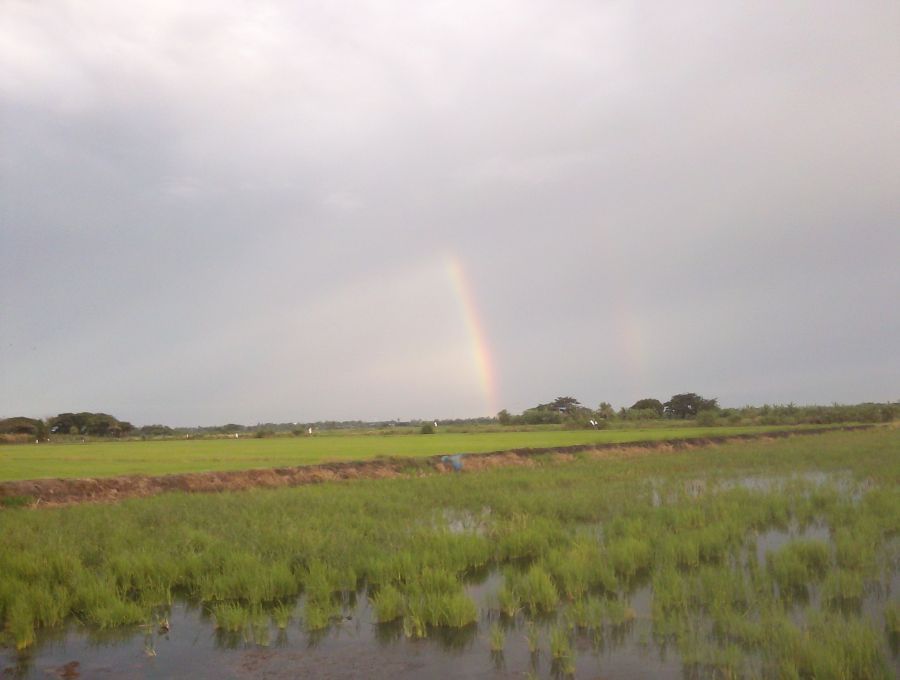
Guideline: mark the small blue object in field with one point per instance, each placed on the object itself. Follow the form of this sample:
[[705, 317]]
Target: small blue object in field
[[455, 461]]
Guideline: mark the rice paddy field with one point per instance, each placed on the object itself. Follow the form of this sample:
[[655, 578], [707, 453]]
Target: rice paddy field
[[112, 458], [758, 559]]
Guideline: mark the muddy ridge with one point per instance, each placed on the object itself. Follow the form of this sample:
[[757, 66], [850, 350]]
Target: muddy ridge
[[51, 492]]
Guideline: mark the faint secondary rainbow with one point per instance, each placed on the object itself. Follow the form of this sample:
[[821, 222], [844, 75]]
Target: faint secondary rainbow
[[477, 337]]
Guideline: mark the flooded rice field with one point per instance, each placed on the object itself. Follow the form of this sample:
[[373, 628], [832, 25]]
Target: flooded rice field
[[352, 648], [760, 561], [354, 644]]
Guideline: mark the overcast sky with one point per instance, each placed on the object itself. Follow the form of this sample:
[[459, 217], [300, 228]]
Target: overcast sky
[[247, 211]]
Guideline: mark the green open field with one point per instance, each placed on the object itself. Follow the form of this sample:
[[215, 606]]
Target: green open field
[[756, 559], [106, 459]]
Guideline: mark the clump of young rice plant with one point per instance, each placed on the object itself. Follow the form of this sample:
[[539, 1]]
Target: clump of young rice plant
[[230, 617], [497, 637], [855, 545], [282, 613], [318, 614], [414, 624], [456, 610], [534, 589], [388, 603], [892, 618], [508, 599], [618, 613], [586, 613], [797, 564], [532, 637], [829, 646], [561, 650], [843, 588], [629, 556]]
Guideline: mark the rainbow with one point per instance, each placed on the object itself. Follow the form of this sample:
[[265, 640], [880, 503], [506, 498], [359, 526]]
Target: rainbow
[[477, 337]]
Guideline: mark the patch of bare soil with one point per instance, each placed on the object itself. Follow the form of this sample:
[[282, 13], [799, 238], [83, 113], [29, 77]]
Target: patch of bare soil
[[52, 492]]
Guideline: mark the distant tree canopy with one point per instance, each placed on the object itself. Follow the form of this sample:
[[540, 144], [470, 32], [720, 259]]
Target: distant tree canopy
[[552, 412], [688, 405], [647, 404], [606, 410], [562, 410], [565, 404], [156, 431], [22, 425], [93, 424]]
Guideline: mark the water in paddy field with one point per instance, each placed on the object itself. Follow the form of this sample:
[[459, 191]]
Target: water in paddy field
[[357, 647], [352, 648]]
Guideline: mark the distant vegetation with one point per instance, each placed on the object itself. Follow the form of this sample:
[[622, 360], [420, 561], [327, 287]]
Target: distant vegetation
[[563, 412], [569, 412]]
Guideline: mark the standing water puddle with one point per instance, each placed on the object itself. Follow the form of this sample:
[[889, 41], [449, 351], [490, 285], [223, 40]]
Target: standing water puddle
[[353, 648], [358, 647]]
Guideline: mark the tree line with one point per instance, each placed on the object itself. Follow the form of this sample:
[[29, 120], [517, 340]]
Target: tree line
[[568, 411]]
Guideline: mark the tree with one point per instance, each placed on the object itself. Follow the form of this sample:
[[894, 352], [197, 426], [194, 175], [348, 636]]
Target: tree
[[156, 431], [605, 410], [504, 417], [95, 424], [644, 404], [688, 405], [22, 425], [567, 405]]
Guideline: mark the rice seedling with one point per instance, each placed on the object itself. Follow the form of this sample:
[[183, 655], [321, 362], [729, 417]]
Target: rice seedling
[[282, 614], [230, 617], [508, 599], [388, 603], [414, 625], [259, 630], [843, 588], [855, 545], [20, 624], [829, 646], [535, 589], [497, 637], [892, 617], [629, 556], [797, 564], [456, 610], [532, 637], [586, 613], [617, 612], [561, 650], [318, 614]]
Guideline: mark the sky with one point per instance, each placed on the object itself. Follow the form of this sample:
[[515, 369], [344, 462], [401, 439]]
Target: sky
[[261, 211]]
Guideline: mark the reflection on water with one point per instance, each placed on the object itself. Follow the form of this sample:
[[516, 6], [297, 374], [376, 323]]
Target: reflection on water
[[351, 647], [355, 646]]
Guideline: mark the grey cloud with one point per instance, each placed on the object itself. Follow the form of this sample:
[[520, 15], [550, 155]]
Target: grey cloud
[[239, 212]]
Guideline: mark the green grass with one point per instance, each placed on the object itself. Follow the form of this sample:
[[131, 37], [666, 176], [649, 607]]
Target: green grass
[[106, 459], [572, 541]]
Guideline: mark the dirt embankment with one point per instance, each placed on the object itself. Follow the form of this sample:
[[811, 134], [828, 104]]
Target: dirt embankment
[[42, 492]]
